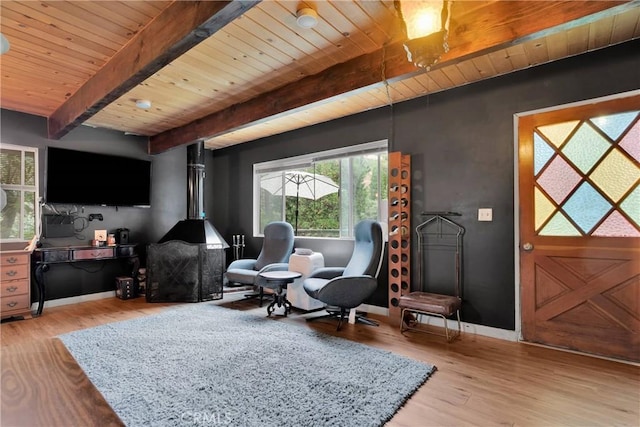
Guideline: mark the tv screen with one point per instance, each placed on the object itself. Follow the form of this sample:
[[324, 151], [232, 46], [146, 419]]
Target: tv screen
[[83, 178]]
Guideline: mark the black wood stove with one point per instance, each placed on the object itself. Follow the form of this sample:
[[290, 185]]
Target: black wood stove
[[188, 263]]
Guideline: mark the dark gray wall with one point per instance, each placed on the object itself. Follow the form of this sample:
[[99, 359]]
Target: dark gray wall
[[461, 142], [232, 173], [168, 198], [169, 192], [27, 130], [462, 148]]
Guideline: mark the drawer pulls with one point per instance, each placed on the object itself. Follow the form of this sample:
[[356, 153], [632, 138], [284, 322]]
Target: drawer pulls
[[15, 276]]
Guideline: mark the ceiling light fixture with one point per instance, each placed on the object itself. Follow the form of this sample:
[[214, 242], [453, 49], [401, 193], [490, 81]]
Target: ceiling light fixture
[[306, 18], [4, 44], [426, 24], [145, 104]]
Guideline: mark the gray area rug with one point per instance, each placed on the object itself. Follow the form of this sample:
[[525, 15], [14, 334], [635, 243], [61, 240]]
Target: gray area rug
[[202, 364]]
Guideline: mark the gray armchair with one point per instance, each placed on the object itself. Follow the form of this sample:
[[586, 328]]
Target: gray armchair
[[345, 288], [276, 249]]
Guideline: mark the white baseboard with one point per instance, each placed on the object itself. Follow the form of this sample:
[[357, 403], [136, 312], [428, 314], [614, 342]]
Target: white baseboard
[[75, 300], [468, 328], [486, 331], [374, 309]]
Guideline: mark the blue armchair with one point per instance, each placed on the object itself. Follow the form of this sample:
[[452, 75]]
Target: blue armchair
[[345, 288], [276, 249]]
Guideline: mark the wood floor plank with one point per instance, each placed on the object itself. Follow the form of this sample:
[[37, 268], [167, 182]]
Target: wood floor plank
[[42, 385], [479, 380]]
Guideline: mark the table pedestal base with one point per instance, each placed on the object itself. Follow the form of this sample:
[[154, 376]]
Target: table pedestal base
[[279, 299]]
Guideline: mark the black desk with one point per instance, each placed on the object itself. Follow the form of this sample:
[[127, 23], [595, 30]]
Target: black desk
[[43, 257]]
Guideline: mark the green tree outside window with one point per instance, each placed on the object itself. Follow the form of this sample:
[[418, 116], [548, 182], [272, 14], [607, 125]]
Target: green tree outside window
[[359, 192], [18, 190]]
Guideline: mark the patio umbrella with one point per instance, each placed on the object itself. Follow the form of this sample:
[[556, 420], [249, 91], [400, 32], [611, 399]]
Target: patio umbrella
[[298, 184]]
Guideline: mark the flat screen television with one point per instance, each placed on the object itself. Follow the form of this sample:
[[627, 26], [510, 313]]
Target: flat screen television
[[83, 178]]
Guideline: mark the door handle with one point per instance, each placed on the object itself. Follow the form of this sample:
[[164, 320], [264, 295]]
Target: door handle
[[527, 247]]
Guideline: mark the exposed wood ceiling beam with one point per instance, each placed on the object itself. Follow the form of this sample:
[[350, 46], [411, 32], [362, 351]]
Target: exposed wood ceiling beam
[[178, 28], [501, 24]]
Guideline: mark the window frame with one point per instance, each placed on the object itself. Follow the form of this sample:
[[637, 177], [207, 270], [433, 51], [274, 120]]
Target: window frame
[[23, 188], [307, 160]]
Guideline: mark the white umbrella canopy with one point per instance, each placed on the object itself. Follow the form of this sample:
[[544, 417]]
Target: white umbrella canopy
[[298, 184]]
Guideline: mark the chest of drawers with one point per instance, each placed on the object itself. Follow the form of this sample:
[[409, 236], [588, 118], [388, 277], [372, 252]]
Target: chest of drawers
[[15, 291]]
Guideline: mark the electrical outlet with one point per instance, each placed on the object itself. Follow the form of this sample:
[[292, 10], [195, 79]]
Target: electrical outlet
[[485, 214]]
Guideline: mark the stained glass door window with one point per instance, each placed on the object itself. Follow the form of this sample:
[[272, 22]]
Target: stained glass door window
[[587, 177]]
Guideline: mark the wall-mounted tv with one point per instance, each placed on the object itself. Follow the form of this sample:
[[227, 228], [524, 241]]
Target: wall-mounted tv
[[83, 178]]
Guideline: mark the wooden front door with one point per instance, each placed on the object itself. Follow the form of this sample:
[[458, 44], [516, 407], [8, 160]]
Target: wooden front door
[[579, 182]]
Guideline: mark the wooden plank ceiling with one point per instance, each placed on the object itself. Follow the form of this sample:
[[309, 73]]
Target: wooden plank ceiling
[[232, 72]]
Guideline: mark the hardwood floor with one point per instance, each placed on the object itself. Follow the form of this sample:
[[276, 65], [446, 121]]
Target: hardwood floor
[[479, 381]]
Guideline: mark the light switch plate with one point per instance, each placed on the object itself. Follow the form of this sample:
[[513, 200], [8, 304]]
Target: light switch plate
[[485, 214], [100, 235]]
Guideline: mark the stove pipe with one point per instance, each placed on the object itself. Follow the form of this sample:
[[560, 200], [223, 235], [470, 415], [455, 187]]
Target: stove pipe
[[196, 228], [195, 181]]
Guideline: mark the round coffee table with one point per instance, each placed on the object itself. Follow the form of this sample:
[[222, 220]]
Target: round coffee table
[[278, 281]]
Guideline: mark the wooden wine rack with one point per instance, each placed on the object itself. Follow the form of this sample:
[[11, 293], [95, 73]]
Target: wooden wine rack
[[399, 231]]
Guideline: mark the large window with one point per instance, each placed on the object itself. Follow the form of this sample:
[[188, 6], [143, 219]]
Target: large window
[[18, 192], [323, 194]]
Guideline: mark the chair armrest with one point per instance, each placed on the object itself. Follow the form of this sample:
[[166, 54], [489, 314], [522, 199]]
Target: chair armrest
[[348, 291], [327, 272], [242, 264], [278, 266]]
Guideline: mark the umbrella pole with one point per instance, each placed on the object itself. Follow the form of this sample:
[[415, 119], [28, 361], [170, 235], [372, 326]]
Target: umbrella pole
[[297, 201]]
